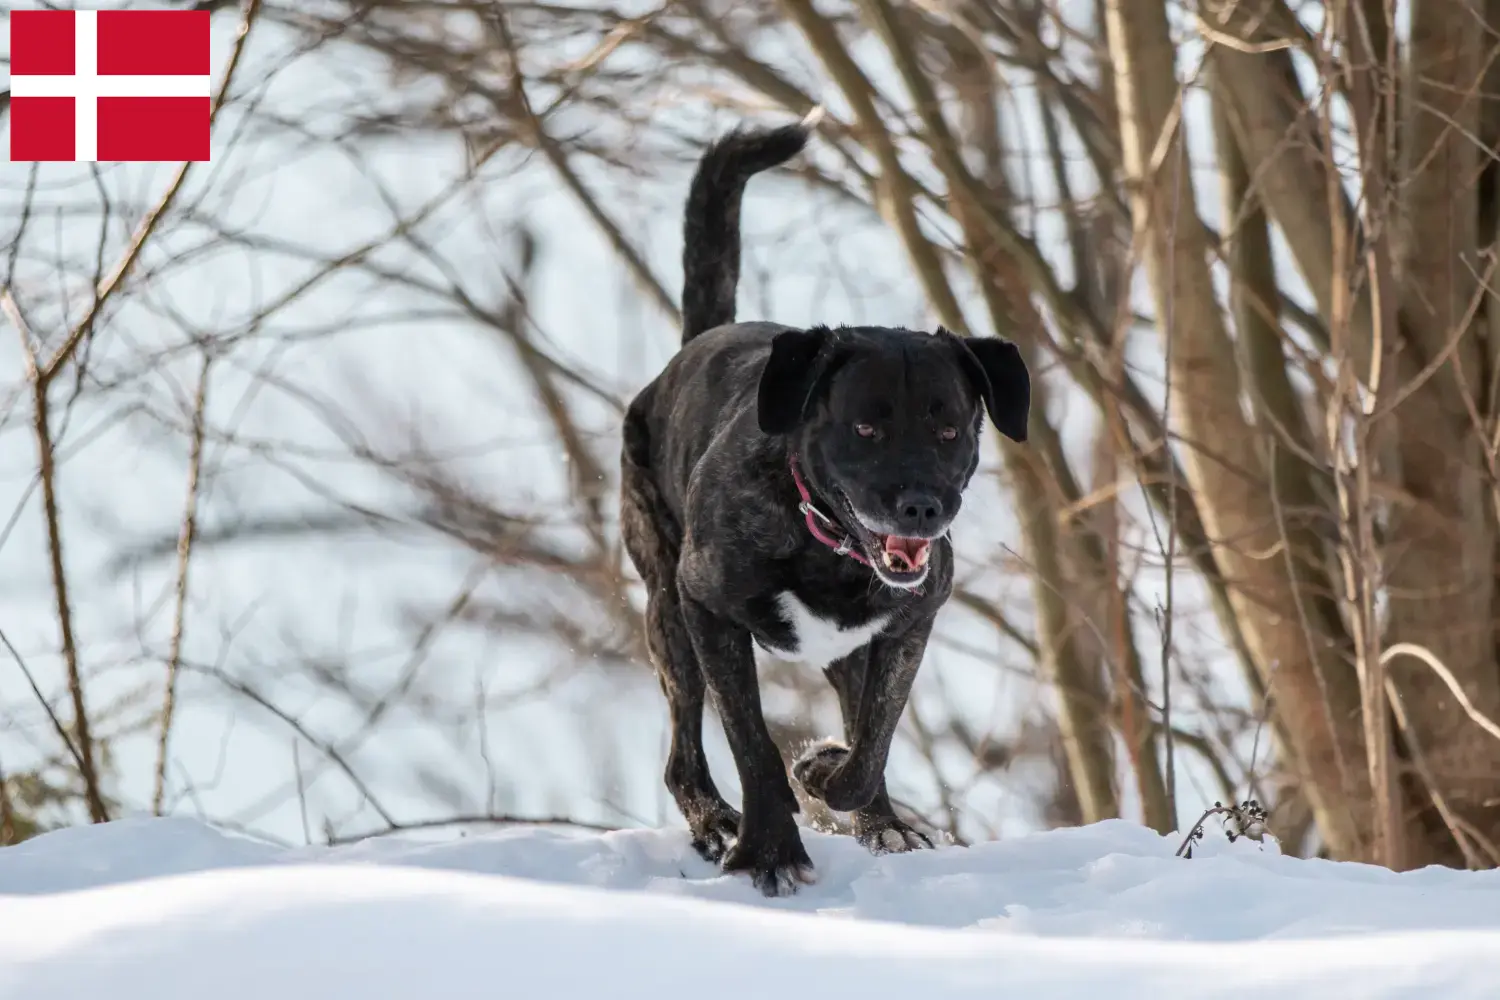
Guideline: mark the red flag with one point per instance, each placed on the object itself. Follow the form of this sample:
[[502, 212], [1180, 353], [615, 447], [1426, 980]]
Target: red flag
[[116, 85]]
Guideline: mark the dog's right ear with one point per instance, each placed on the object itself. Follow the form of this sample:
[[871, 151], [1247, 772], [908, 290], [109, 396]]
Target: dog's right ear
[[789, 379]]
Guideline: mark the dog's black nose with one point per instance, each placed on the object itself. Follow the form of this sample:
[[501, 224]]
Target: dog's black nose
[[918, 513]]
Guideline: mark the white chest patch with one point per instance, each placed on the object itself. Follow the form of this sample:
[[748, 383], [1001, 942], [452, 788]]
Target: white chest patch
[[819, 640]]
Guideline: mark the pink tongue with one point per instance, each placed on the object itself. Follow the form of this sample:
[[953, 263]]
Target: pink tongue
[[908, 550]]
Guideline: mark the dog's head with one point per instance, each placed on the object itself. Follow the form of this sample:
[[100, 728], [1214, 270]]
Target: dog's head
[[886, 426]]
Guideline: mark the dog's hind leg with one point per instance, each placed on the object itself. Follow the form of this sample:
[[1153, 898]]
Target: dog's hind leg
[[875, 823], [714, 823], [652, 540]]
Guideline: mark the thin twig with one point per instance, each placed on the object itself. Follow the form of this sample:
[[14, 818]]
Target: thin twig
[[47, 473], [1197, 827], [301, 791], [1166, 423], [322, 746], [1248, 817], [57, 723], [1419, 765], [185, 540], [1438, 667], [498, 819]]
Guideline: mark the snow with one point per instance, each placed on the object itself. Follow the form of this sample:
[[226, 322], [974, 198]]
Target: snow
[[164, 909]]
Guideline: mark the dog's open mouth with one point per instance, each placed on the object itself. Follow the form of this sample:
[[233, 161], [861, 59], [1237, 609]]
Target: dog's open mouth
[[899, 560], [906, 556]]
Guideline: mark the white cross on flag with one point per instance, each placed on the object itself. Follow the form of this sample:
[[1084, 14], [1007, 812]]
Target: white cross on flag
[[115, 85]]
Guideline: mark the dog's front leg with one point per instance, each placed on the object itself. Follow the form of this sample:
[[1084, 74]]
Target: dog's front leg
[[769, 846], [876, 824], [852, 778]]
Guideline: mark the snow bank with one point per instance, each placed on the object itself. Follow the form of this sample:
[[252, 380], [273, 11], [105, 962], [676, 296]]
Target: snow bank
[[167, 909]]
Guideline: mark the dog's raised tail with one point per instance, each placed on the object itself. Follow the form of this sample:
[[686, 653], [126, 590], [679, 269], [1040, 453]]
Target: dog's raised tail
[[711, 230]]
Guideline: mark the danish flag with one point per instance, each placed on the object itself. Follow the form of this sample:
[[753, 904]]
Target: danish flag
[[116, 85]]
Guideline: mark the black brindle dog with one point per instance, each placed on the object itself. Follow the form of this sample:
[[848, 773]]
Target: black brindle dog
[[792, 490]]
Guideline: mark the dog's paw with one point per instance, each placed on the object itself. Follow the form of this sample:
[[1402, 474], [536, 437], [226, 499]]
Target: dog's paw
[[714, 833], [777, 864], [891, 836], [817, 766]]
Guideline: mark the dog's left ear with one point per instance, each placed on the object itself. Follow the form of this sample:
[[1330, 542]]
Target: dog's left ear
[[790, 377], [995, 369]]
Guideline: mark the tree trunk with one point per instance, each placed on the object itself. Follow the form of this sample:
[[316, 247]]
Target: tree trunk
[[1318, 695], [1442, 538]]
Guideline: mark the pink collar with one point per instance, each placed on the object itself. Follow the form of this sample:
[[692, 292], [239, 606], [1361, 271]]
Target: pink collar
[[844, 545]]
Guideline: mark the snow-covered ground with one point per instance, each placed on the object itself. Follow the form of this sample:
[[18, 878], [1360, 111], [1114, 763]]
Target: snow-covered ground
[[168, 909]]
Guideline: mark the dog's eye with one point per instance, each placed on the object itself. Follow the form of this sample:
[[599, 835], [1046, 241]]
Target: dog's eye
[[864, 430], [948, 433]]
